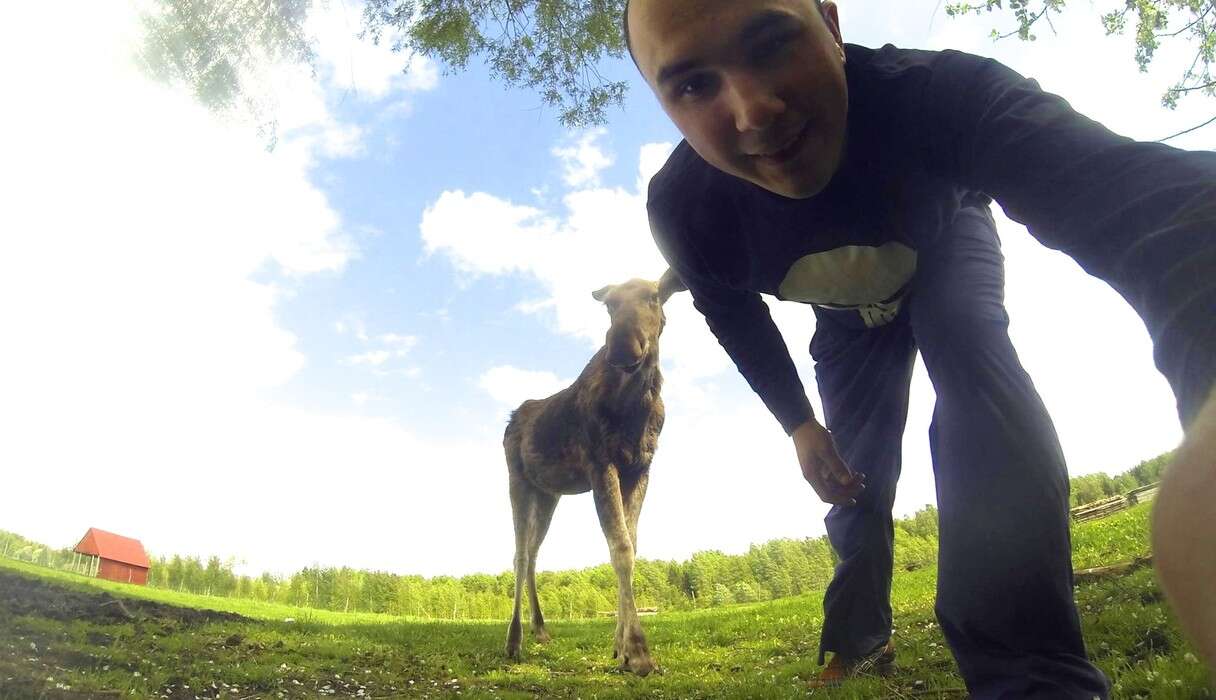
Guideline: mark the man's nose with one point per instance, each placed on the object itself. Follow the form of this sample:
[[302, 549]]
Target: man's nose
[[754, 104]]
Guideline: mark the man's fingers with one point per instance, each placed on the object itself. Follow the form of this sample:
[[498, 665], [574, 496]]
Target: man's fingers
[[838, 485], [825, 490], [836, 471]]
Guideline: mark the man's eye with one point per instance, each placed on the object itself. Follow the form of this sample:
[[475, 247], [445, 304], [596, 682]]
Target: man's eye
[[696, 86], [773, 46]]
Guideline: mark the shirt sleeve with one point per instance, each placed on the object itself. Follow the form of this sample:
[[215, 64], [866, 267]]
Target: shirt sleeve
[[1140, 216], [741, 322]]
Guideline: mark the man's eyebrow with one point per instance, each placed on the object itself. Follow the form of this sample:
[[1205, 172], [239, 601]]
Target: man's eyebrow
[[755, 28], [678, 68], [766, 21]]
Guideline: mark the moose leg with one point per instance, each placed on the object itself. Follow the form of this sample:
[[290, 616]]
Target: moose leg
[[606, 485], [542, 514], [522, 499], [633, 492]]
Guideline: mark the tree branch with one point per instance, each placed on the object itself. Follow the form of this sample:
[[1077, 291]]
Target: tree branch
[[1193, 128]]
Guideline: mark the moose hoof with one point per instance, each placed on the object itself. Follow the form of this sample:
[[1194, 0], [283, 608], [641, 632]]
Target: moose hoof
[[541, 635], [513, 650], [640, 665]]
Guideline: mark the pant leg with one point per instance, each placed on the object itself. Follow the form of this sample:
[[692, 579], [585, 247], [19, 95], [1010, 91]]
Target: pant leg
[[1004, 596], [863, 377]]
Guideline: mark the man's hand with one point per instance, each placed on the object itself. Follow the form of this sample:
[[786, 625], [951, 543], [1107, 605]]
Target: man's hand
[[823, 468]]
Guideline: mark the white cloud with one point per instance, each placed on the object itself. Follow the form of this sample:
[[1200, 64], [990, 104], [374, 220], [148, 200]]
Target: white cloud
[[482, 234], [400, 344], [139, 352], [511, 386], [583, 161], [372, 72], [384, 347], [353, 325], [650, 160], [373, 358]]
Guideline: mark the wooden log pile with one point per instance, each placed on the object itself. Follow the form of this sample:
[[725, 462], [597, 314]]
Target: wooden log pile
[[1100, 572], [1144, 494], [1114, 504], [1099, 509], [641, 611]]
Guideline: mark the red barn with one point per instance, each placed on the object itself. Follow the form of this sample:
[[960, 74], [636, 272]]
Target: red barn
[[119, 558]]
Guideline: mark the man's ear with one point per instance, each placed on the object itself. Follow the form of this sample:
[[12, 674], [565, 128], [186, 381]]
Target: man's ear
[[669, 284], [827, 9], [601, 293]]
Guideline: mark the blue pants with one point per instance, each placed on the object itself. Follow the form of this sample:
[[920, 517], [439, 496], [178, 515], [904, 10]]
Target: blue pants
[[1004, 592]]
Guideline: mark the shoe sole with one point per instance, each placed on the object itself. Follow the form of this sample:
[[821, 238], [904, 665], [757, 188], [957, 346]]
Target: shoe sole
[[884, 669]]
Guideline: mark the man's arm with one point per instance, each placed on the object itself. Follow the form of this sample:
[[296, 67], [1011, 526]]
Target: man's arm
[[1141, 216], [745, 329], [741, 322]]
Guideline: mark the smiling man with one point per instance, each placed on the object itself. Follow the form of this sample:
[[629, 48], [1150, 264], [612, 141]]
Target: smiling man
[[859, 181]]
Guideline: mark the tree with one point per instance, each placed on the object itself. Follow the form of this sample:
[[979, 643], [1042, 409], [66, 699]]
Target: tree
[[722, 595], [1153, 19], [555, 47]]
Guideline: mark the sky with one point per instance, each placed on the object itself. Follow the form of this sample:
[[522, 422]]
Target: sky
[[307, 356]]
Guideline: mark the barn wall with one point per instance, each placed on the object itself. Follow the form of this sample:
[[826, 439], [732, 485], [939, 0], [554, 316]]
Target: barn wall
[[123, 573]]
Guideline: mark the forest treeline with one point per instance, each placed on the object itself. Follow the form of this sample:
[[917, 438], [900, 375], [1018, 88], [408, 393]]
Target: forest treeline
[[775, 569]]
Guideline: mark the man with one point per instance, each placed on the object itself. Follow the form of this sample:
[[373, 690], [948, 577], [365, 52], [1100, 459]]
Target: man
[[859, 181]]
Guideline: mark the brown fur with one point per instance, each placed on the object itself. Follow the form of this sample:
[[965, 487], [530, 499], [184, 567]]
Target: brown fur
[[599, 434]]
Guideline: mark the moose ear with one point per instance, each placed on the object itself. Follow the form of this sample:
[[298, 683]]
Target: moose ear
[[600, 293], [669, 284]]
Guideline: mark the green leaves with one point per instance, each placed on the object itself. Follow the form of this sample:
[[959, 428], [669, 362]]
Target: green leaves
[[217, 48], [556, 47], [1195, 19]]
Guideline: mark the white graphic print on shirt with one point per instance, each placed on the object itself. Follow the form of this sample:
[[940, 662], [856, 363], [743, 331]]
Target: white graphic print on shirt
[[869, 279]]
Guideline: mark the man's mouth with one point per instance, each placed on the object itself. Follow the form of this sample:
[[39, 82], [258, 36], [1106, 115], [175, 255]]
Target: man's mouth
[[785, 150]]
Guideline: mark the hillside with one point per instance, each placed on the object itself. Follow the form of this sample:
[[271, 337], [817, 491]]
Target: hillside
[[65, 636]]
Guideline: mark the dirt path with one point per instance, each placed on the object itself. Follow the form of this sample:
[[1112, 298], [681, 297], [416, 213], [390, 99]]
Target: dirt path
[[24, 595], [33, 653]]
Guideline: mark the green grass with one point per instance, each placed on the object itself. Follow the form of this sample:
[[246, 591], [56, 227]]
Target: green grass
[[758, 650]]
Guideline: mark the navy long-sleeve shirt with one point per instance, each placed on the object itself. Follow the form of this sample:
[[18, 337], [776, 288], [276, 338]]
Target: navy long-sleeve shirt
[[928, 132]]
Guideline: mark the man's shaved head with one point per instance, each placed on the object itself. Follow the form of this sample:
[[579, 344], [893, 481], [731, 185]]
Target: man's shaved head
[[757, 87], [629, 42]]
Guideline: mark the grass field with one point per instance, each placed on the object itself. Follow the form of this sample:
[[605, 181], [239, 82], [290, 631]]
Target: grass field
[[62, 635]]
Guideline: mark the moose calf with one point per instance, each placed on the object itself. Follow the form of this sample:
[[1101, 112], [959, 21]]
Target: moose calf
[[598, 434]]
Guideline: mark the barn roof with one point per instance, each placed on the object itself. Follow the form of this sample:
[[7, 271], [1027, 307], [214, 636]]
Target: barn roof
[[107, 545]]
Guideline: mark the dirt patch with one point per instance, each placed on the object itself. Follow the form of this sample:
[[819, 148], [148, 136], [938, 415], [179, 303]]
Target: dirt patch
[[24, 595]]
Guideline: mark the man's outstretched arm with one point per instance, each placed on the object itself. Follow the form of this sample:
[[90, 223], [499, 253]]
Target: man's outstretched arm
[[1140, 216]]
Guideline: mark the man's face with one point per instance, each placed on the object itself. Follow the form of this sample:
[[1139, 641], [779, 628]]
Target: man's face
[[757, 87]]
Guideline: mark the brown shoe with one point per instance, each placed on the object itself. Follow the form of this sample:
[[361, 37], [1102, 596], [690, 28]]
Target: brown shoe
[[880, 662]]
